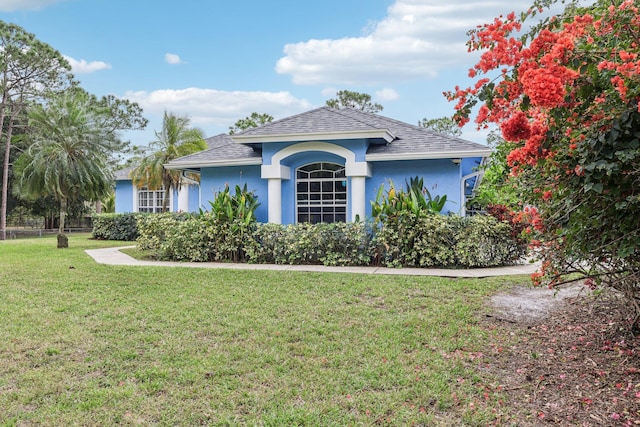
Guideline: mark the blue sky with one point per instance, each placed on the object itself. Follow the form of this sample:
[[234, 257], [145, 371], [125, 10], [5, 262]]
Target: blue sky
[[218, 61]]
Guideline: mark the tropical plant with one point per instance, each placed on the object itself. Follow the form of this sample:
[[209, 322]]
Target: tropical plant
[[416, 199], [176, 139], [567, 100], [109, 203], [30, 70], [70, 143], [231, 223]]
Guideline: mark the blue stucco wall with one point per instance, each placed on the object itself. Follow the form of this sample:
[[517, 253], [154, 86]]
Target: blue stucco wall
[[441, 176], [213, 180], [470, 165], [124, 196], [194, 198]]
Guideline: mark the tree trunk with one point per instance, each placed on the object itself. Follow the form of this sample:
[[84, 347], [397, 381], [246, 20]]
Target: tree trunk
[[63, 213], [63, 241], [5, 179]]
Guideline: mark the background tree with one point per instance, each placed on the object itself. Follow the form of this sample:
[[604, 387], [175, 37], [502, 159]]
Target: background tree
[[445, 125], [357, 100], [29, 70], [253, 121], [70, 141], [176, 139], [567, 101]]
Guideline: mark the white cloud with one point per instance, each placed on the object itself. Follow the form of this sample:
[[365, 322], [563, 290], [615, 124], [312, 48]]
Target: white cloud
[[172, 58], [13, 5], [328, 92], [83, 67], [387, 94], [211, 108], [416, 40]]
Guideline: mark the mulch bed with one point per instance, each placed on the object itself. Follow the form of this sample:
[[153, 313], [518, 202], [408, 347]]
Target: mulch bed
[[578, 365]]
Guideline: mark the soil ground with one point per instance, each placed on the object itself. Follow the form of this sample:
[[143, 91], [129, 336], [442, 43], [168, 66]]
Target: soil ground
[[564, 358]]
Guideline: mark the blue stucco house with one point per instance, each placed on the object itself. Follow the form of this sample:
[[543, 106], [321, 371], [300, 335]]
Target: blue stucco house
[[323, 165]]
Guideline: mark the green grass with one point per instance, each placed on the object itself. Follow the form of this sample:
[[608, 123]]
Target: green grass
[[88, 344]]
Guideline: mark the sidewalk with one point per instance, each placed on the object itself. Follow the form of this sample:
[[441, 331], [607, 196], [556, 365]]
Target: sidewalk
[[113, 256]]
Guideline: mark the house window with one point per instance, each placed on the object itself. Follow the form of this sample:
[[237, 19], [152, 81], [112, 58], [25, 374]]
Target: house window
[[150, 200], [321, 193]]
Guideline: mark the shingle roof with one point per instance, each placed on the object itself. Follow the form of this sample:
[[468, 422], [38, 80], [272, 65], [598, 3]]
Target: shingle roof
[[320, 120], [123, 174], [391, 138], [221, 149]]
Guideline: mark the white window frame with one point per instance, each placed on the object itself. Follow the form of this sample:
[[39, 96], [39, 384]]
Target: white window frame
[[157, 197], [329, 197]]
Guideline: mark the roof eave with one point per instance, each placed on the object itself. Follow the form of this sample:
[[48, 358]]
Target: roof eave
[[315, 136], [212, 163], [425, 156]]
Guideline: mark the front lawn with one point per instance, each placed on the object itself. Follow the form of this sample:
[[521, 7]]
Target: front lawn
[[88, 344]]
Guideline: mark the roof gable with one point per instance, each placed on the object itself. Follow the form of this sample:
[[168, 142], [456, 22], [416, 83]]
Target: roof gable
[[321, 123]]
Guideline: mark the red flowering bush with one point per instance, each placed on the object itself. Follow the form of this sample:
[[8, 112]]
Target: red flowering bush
[[567, 98]]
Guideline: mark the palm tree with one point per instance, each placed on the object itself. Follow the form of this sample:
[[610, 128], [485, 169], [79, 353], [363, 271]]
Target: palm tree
[[176, 139], [68, 154]]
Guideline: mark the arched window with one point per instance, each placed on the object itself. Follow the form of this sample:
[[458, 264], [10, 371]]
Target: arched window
[[321, 193]]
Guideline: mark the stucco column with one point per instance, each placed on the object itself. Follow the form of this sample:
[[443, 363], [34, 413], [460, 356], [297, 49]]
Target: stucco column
[[183, 198], [358, 199], [274, 174], [275, 200], [358, 172]]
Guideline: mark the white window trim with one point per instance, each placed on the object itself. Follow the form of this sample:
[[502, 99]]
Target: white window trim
[[335, 202], [137, 189]]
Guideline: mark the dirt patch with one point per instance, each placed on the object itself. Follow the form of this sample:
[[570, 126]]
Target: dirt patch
[[566, 359], [528, 304]]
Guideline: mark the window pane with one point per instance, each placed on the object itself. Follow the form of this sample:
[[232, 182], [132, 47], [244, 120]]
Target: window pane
[[321, 189]]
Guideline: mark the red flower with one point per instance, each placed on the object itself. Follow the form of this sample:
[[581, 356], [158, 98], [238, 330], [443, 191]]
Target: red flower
[[516, 128]]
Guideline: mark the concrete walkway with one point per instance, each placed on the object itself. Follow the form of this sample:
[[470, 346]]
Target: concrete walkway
[[113, 256]]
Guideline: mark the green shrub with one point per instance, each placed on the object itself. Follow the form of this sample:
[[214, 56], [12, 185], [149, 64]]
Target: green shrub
[[112, 226], [485, 241], [152, 230], [435, 241], [446, 241], [230, 223], [187, 240], [328, 244]]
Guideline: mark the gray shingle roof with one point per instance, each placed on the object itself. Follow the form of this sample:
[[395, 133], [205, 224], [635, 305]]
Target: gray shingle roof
[[123, 174], [407, 141], [320, 120], [221, 149]]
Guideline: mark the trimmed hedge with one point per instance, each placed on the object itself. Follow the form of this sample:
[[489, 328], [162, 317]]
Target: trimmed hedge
[[407, 241], [329, 244], [153, 230], [447, 241], [112, 226]]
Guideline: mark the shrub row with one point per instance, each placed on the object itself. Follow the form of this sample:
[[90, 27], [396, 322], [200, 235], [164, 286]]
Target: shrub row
[[113, 226], [446, 241], [329, 244], [407, 240]]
